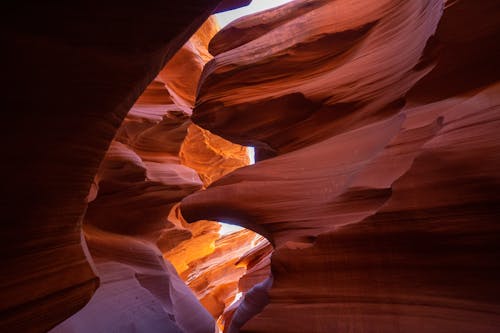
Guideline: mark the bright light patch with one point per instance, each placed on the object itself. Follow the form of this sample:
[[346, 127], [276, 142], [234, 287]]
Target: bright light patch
[[256, 6], [238, 296], [227, 229], [251, 154]]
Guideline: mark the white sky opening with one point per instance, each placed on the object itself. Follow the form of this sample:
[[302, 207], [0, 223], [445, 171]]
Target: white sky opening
[[251, 154], [227, 229], [256, 6]]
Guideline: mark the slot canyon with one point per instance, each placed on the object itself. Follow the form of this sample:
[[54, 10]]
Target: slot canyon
[[320, 166]]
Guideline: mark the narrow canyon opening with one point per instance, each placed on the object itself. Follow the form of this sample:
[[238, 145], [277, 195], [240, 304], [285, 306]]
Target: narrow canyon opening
[[318, 166], [158, 157]]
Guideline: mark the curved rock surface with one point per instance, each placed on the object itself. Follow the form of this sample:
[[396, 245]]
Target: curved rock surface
[[133, 224], [377, 184], [218, 267], [133, 273], [214, 278], [73, 71], [210, 155], [138, 184], [348, 63], [383, 198]]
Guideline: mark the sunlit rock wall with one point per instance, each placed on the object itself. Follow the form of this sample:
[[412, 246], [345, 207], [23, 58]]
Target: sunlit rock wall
[[376, 130], [376, 126], [157, 272]]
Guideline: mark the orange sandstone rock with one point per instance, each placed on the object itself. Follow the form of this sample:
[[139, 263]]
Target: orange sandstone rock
[[210, 155], [73, 71], [383, 199]]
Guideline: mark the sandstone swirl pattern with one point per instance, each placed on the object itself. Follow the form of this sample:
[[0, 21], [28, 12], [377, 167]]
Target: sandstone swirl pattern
[[72, 72], [376, 125], [143, 251]]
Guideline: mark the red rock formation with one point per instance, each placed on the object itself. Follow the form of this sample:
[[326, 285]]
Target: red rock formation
[[304, 113], [215, 277], [376, 127], [133, 274], [232, 4], [199, 243], [212, 264], [74, 70], [384, 215], [138, 183], [253, 286], [210, 155], [134, 209]]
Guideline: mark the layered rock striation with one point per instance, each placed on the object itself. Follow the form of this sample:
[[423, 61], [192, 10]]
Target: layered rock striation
[[377, 184], [378, 178], [148, 259], [72, 73]]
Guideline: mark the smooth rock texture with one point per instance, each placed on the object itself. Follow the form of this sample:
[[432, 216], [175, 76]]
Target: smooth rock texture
[[376, 191], [126, 224], [216, 266], [72, 72], [380, 189], [214, 278], [347, 63], [133, 225], [210, 155], [133, 274], [253, 286]]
